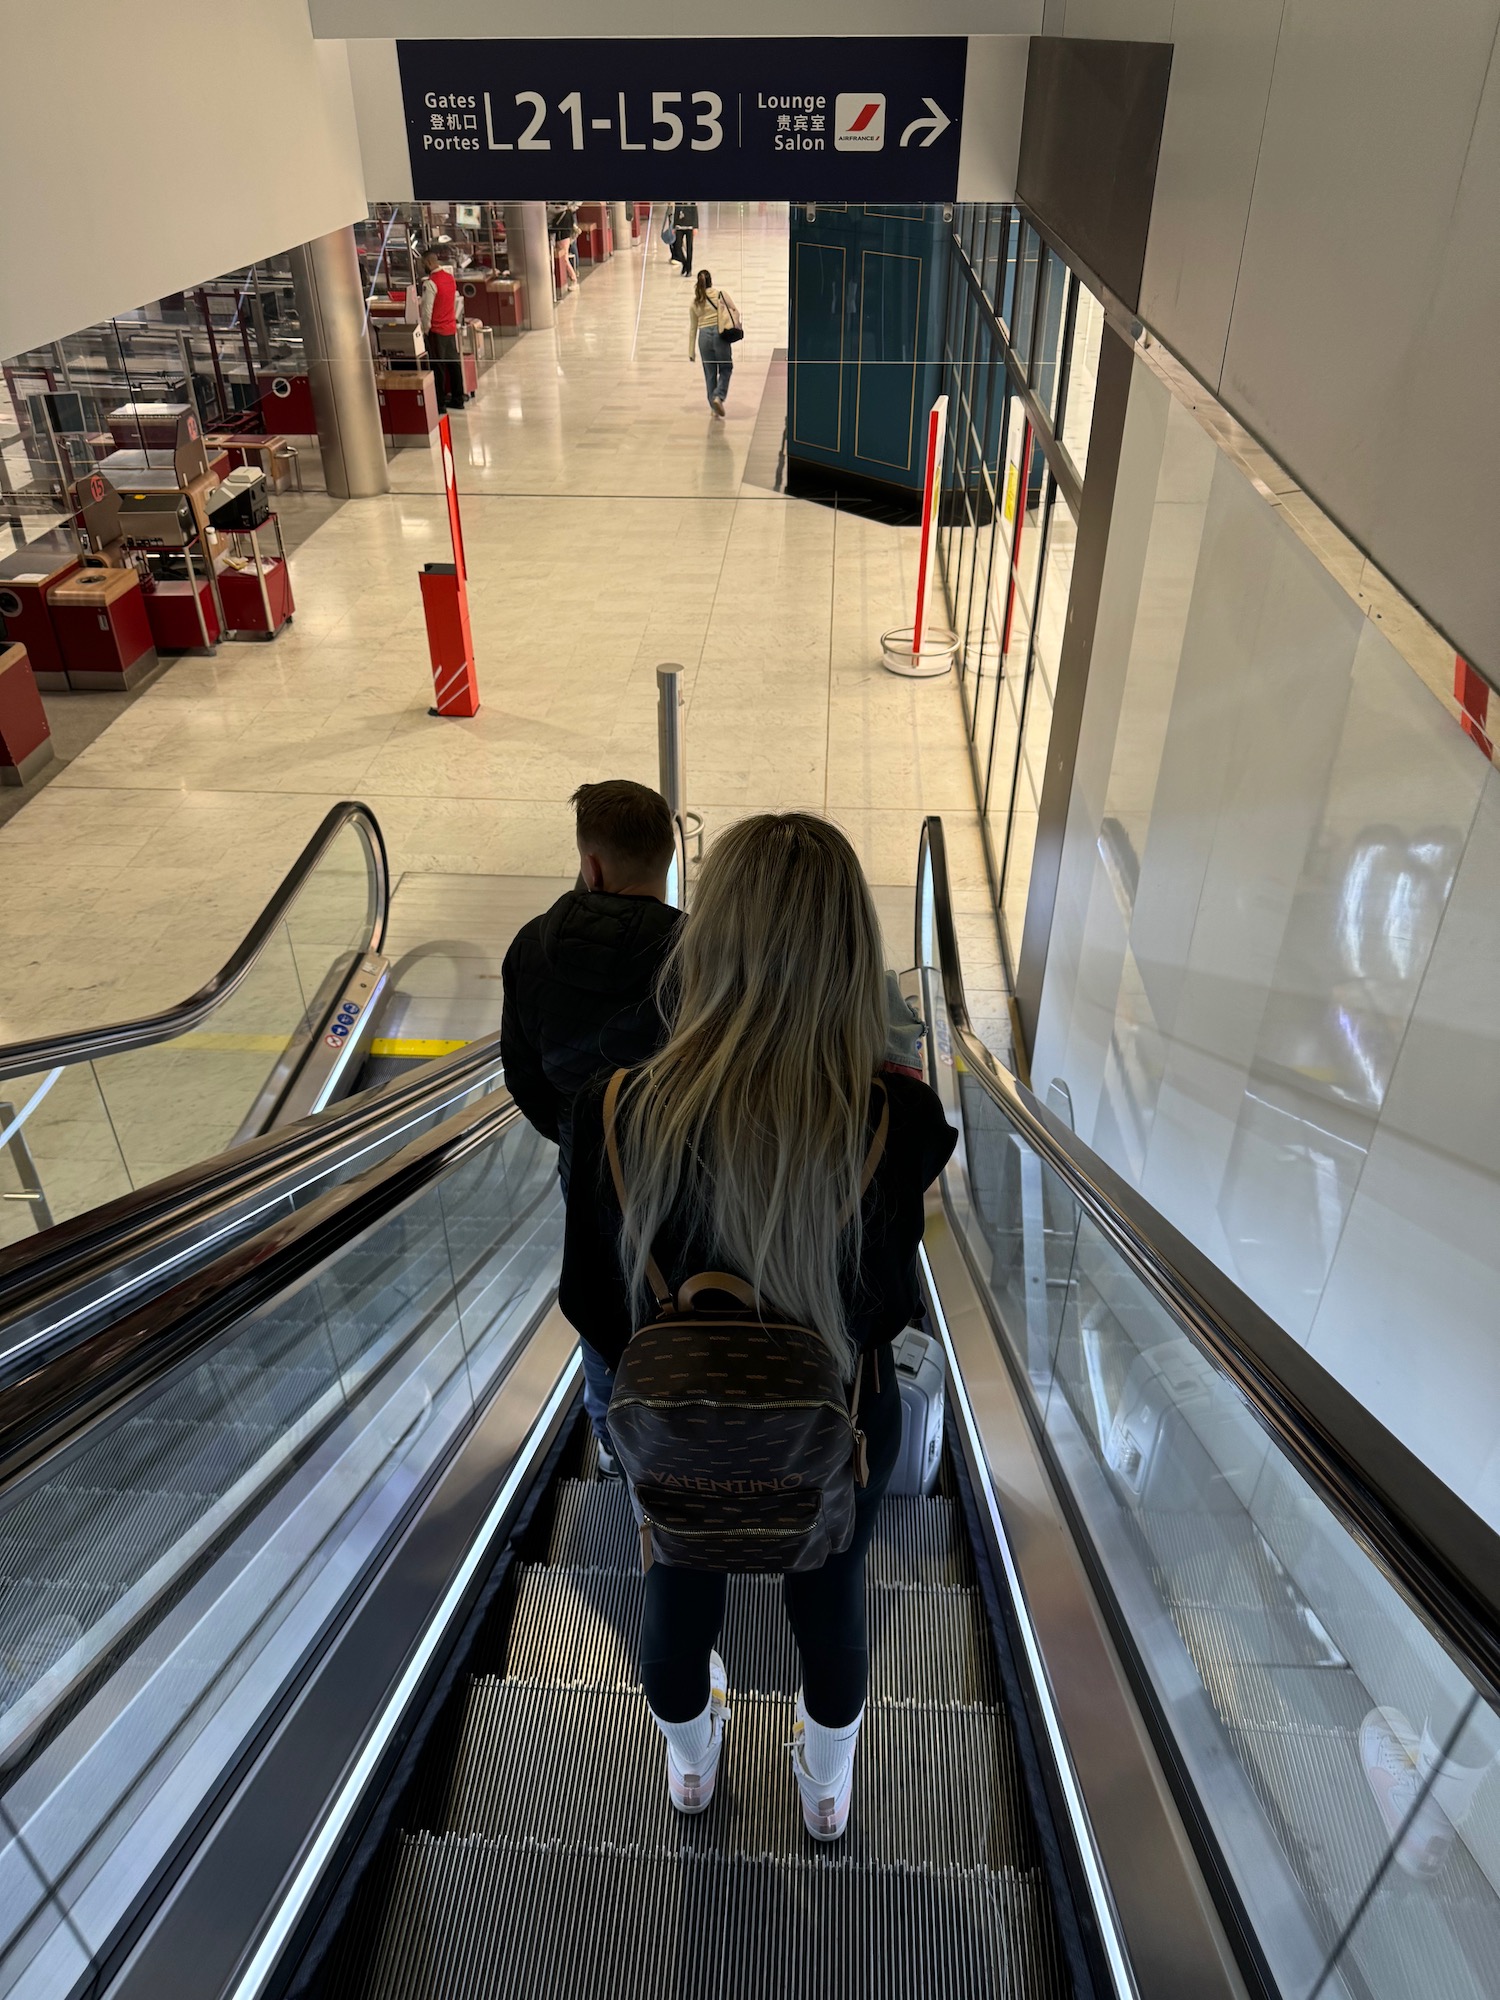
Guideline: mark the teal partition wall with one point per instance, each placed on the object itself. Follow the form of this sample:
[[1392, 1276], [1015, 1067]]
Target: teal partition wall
[[868, 286]]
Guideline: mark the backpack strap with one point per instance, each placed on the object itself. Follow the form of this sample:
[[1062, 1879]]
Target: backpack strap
[[661, 1291], [715, 1281], [873, 1157]]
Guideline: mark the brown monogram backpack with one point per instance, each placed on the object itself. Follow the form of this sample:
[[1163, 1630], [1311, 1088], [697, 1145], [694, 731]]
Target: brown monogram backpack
[[736, 1431]]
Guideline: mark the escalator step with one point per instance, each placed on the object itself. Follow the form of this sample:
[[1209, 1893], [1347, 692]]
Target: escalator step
[[585, 1764], [520, 1920], [917, 1541], [576, 1626]]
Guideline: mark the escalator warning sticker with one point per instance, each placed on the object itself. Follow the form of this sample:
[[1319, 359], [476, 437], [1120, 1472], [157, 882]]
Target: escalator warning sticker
[[338, 1033]]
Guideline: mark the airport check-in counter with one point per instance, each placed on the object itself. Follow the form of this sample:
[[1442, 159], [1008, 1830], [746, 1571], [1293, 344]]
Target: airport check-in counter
[[103, 630], [27, 579], [25, 736]]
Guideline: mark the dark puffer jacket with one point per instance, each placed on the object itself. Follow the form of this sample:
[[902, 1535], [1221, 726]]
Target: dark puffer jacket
[[580, 1001]]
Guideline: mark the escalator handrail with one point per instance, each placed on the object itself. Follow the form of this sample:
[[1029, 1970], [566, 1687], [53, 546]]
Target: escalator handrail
[[1441, 1556], [85, 1044], [72, 1253], [73, 1387]]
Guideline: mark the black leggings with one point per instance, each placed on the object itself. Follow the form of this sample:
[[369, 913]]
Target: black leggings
[[685, 1607]]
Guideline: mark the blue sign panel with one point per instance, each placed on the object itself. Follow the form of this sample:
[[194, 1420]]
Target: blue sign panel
[[857, 119]]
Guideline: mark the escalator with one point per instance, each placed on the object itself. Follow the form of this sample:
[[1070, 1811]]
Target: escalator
[[279, 1032], [317, 1623]]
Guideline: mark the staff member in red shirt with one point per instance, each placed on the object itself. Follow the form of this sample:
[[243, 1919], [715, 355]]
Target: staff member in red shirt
[[441, 307]]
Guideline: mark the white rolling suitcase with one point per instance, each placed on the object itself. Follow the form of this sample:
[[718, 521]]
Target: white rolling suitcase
[[919, 1370]]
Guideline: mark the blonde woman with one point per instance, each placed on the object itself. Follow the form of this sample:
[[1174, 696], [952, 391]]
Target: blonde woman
[[742, 1143], [707, 343]]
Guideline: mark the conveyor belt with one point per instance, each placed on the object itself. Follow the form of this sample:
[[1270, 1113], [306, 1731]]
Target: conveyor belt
[[541, 1856]]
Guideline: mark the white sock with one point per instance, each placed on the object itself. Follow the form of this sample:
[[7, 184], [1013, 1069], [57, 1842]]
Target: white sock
[[827, 1753], [689, 1741]]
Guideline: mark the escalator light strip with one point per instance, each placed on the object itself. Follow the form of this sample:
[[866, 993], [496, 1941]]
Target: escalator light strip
[[222, 1041], [1105, 1914], [252, 1981], [382, 1046]]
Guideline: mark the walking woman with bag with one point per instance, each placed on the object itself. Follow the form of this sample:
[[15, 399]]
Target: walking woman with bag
[[742, 1229], [714, 326]]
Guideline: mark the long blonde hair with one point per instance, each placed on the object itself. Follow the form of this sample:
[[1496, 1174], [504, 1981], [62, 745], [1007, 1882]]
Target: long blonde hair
[[752, 1121]]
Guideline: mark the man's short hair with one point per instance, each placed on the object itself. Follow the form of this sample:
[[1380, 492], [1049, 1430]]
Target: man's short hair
[[629, 824]]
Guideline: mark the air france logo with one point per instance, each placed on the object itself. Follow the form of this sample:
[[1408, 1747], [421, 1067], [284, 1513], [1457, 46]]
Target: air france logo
[[858, 122]]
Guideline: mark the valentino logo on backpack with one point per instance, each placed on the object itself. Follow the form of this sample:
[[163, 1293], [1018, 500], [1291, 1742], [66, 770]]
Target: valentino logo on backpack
[[735, 1428]]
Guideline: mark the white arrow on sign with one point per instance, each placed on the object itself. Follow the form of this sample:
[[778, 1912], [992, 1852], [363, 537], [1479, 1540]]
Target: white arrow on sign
[[937, 123]]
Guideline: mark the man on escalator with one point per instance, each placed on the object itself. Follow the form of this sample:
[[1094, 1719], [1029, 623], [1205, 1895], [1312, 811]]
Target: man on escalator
[[580, 985]]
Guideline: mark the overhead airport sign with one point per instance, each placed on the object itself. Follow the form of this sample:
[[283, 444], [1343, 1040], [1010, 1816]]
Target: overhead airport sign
[[850, 119]]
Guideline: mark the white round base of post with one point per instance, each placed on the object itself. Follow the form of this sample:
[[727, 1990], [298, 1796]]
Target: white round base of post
[[936, 657]]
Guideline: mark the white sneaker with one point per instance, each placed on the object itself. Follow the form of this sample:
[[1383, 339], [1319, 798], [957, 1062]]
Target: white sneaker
[[718, 406], [825, 1802], [1390, 1750], [609, 1465], [691, 1791]]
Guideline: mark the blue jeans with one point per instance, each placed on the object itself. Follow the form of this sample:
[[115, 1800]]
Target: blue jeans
[[598, 1387], [717, 356]]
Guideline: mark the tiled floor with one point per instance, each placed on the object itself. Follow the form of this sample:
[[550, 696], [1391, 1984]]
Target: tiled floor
[[608, 528]]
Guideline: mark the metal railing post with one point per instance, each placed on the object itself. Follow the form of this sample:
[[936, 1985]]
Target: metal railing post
[[671, 759], [670, 754]]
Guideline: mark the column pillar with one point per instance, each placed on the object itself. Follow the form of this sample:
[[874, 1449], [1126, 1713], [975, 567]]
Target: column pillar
[[619, 222], [340, 369], [530, 254]]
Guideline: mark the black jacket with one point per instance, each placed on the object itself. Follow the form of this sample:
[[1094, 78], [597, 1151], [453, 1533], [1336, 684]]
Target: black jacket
[[580, 1001], [685, 215], [881, 1297]]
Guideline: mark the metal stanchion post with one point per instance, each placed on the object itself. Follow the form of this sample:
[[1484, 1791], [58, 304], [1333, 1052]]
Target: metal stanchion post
[[671, 758]]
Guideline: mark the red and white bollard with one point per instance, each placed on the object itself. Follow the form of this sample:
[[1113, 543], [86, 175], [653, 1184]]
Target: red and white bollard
[[445, 603], [921, 651]]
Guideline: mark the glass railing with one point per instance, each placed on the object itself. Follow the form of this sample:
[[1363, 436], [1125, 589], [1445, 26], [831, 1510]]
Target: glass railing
[[166, 1572], [87, 1118], [1337, 1746]]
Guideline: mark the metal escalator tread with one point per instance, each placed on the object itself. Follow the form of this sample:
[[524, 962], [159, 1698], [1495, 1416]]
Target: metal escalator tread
[[542, 1858], [593, 1774], [517, 1920], [583, 1625]]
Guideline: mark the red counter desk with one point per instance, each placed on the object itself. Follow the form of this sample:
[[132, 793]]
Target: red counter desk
[[408, 402], [492, 301], [178, 625], [596, 238], [102, 628], [25, 739], [27, 580], [286, 404]]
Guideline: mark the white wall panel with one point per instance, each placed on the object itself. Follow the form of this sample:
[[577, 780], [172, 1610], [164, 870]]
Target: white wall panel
[[152, 146], [1287, 1036], [376, 77], [435, 19], [1368, 124], [1221, 77], [1435, 518], [994, 99]]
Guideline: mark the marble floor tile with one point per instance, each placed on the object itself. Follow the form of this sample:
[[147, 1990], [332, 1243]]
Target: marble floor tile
[[607, 530]]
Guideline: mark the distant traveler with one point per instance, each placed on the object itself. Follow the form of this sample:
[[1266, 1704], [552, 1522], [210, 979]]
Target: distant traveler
[[710, 314], [580, 984], [565, 236], [441, 310], [684, 222], [742, 1147]]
